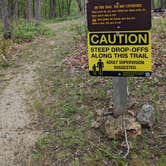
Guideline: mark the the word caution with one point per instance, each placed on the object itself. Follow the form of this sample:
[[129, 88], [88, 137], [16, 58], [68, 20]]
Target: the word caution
[[119, 54]]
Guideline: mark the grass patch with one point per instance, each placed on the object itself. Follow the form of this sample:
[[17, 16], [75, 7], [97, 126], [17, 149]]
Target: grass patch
[[162, 160], [69, 100], [27, 31], [80, 30], [69, 114], [69, 109], [159, 25], [60, 19], [36, 155], [6, 64], [1, 27]]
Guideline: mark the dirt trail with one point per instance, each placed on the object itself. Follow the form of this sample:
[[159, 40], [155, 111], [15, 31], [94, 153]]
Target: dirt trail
[[17, 126], [15, 137]]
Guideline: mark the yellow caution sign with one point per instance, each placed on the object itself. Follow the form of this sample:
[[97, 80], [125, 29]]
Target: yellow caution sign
[[120, 53]]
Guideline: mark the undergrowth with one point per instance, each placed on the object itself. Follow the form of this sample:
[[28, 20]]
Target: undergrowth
[[27, 31], [60, 19], [68, 100]]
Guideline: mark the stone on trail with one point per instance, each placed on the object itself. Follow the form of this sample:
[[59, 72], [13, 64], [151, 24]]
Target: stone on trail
[[146, 116]]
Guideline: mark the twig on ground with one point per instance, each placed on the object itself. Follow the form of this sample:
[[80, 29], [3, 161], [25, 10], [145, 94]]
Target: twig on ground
[[126, 139], [108, 113], [162, 136]]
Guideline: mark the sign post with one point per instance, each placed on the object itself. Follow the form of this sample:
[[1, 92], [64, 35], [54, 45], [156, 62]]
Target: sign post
[[119, 95], [119, 43]]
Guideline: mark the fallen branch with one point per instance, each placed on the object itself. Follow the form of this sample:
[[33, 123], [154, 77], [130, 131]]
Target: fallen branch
[[126, 139]]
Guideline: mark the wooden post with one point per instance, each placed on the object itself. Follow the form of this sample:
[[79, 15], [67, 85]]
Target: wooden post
[[119, 96]]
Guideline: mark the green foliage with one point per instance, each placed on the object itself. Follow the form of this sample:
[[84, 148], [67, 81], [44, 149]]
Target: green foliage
[[159, 25], [42, 142], [69, 109], [79, 29], [100, 92], [159, 3], [29, 30], [60, 19], [6, 64], [37, 105], [36, 155], [1, 28], [162, 160]]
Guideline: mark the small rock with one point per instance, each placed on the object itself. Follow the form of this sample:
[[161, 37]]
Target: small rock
[[146, 116]]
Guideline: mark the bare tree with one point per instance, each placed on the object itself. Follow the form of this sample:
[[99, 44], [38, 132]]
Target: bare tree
[[80, 6], [5, 17], [37, 12], [68, 6], [61, 7], [163, 4], [28, 10], [152, 4], [11, 8], [33, 8], [52, 9]]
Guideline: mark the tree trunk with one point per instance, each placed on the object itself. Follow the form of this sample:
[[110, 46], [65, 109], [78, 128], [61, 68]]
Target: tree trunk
[[52, 9], [28, 10], [33, 8], [85, 12], [163, 4], [63, 7], [79, 4], [60, 8], [68, 6], [16, 11], [153, 6], [11, 7], [5, 17], [38, 8]]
